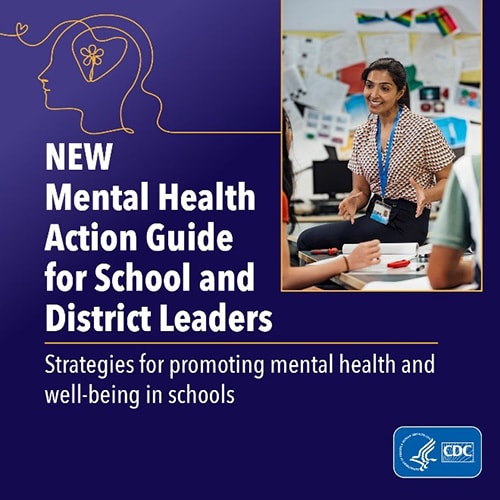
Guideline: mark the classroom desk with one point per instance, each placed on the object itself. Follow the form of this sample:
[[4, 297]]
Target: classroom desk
[[356, 280]]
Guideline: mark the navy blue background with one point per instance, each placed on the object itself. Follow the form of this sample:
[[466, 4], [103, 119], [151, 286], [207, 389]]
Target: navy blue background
[[217, 67]]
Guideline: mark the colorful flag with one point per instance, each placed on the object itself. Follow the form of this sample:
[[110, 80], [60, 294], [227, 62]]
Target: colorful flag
[[445, 23]]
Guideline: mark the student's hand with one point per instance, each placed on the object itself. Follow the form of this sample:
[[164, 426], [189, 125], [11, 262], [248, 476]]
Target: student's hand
[[365, 254], [421, 198], [349, 206]]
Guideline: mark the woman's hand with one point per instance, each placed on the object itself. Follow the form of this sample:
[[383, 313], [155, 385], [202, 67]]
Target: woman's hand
[[365, 254], [349, 206], [422, 200]]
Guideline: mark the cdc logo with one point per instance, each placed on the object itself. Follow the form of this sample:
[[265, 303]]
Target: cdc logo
[[437, 452], [457, 452]]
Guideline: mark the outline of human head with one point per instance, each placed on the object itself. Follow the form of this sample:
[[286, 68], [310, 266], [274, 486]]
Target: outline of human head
[[91, 57]]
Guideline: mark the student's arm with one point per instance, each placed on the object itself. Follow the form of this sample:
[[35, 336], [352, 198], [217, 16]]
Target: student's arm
[[299, 277], [447, 268]]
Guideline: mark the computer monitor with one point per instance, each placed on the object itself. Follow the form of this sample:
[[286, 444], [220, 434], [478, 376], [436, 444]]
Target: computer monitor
[[331, 177]]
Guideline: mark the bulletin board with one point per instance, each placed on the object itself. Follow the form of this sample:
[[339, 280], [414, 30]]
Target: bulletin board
[[322, 87], [463, 46]]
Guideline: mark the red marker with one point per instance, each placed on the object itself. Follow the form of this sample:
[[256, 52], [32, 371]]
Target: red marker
[[399, 263], [325, 251]]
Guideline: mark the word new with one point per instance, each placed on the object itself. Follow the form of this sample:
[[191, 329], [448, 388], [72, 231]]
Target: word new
[[70, 157]]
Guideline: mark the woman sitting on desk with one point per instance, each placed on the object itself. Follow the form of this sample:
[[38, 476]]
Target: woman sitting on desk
[[400, 162], [299, 277]]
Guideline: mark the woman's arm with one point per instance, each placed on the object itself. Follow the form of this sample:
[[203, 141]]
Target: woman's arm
[[356, 199], [360, 185], [434, 193]]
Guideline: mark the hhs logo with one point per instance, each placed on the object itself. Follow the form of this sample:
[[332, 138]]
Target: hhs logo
[[437, 452]]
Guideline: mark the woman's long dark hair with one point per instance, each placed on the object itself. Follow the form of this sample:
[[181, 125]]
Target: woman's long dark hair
[[397, 72], [287, 179]]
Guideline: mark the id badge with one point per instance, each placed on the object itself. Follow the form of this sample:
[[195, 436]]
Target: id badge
[[381, 212]]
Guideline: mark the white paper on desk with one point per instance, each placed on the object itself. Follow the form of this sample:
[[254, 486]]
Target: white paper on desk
[[388, 248], [412, 284], [390, 253]]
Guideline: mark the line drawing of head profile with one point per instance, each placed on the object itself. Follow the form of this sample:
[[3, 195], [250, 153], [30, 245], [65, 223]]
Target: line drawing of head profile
[[93, 68], [95, 63]]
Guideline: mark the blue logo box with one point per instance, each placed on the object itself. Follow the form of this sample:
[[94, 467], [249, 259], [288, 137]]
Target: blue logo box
[[437, 452]]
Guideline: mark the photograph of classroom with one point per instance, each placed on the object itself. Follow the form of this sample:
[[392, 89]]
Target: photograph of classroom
[[360, 82]]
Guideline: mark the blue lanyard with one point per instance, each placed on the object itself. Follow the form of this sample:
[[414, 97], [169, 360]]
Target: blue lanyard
[[383, 169]]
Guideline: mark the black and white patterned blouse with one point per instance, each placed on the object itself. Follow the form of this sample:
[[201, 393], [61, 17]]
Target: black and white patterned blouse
[[419, 150]]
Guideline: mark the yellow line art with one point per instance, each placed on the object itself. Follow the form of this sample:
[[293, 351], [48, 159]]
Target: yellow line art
[[105, 342], [95, 64], [92, 56]]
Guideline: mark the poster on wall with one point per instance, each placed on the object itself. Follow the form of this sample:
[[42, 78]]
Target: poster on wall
[[148, 349]]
